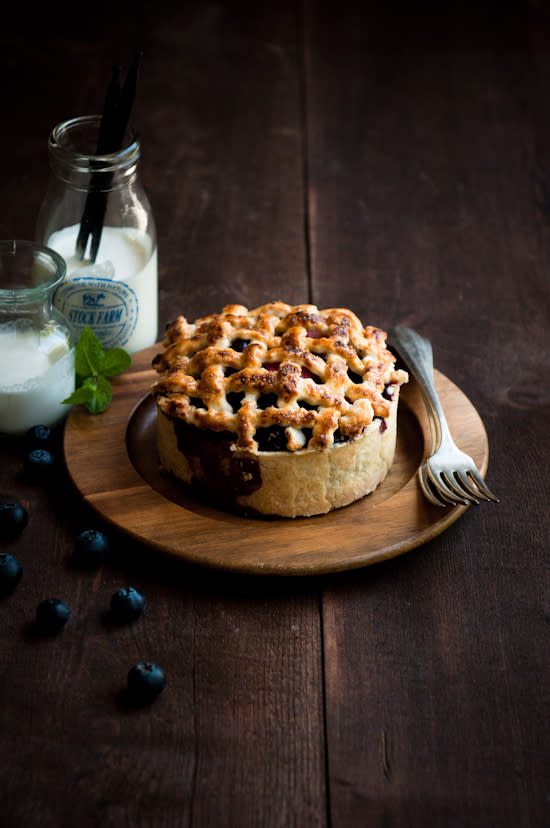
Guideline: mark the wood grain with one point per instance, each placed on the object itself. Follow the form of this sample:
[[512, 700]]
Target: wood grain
[[432, 211], [112, 461], [238, 733], [391, 158]]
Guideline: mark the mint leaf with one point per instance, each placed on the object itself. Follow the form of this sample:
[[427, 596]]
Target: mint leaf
[[92, 367], [116, 361], [103, 395], [89, 355], [81, 396]]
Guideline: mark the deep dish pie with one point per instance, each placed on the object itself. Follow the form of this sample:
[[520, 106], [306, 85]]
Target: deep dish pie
[[281, 410]]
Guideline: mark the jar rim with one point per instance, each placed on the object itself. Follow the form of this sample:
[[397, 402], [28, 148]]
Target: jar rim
[[74, 156], [40, 253]]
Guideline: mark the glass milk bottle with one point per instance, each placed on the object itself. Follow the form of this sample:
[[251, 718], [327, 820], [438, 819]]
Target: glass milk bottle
[[36, 343], [97, 216]]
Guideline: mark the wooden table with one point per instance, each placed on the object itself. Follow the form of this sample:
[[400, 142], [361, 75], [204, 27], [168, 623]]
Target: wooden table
[[397, 163]]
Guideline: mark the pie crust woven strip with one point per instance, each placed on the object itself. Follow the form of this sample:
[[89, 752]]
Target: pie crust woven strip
[[318, 374]]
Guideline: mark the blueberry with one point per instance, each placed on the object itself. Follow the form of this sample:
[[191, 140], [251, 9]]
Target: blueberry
[[39, 464], [239, 344], [235, 398], [10, 572], [127, 604], [91, 549], [51, 615], [146, 681], [267, 400], [39, 436], [13, 519], [308, 434], [271, 439]]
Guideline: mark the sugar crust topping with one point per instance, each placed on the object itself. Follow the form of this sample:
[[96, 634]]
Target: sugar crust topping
[[317, 374]]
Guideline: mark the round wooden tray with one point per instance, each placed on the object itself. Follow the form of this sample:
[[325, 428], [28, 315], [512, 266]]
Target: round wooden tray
[[112, 461]]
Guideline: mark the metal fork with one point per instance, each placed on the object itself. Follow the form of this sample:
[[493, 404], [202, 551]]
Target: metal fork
[[449, 476]]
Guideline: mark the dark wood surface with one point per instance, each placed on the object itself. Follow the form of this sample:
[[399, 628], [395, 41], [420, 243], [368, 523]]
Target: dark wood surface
[[395, 161]]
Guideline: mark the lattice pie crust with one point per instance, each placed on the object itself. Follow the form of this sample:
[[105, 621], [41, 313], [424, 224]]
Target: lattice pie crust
[[282, 410]]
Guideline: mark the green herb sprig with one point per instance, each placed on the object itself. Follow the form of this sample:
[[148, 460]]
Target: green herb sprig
[[92, 367]]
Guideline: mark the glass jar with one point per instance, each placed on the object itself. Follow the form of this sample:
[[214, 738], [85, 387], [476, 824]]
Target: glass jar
[[36, 341], [97, 216]]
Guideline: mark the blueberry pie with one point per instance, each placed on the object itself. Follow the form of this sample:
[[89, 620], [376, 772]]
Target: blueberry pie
[[281, 410]]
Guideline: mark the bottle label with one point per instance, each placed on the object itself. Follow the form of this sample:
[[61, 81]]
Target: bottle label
[[108, 307]]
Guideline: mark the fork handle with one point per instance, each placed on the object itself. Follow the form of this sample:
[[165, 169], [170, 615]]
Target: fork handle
[[416, 352]]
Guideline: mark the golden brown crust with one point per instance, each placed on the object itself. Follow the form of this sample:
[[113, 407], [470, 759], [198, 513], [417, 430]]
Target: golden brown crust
[[281, 483], [317, 374]]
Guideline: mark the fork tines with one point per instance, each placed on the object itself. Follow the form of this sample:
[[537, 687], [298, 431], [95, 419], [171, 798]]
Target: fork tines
[[460, 488]]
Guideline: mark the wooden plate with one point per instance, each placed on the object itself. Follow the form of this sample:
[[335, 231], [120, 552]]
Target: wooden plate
[[112, 461]]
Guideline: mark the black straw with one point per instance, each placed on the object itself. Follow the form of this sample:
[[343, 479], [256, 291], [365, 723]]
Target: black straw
[[114, 122]]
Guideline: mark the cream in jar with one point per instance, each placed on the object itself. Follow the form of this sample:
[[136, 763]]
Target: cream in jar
[[37, 355], [37, 375]]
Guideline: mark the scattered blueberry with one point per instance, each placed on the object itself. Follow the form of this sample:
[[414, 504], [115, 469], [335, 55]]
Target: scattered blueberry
[[10, 572], [146, 681], [51, 615], [13, 519], [127, 604], [39, 464], [91, 549], [39, 436]]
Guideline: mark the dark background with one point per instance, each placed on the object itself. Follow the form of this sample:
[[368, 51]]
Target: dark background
[[392, 158]]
